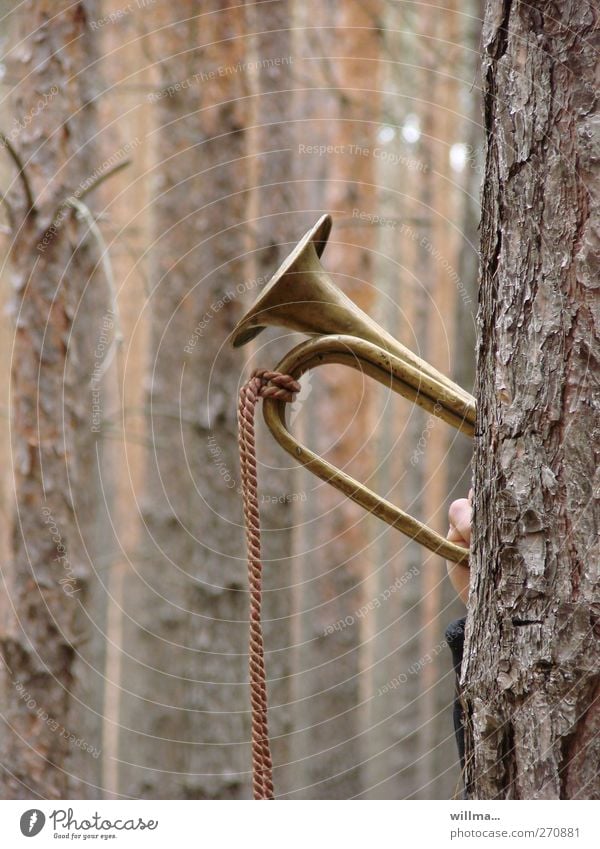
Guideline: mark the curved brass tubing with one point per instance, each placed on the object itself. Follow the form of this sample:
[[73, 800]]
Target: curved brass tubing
[[443, 399]]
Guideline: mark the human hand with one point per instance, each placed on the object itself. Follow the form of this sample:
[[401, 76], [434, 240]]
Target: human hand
[[459, 517]]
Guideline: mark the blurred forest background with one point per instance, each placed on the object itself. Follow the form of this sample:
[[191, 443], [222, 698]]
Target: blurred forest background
[[171, 154]]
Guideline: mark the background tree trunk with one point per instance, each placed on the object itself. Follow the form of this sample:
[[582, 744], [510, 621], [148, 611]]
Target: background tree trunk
[[273, 227], [48, 715], [126, 118], [333, 557], [185, 719], [531, 669]]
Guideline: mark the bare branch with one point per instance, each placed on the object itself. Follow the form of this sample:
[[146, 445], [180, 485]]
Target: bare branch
[[9, 213], [95, 182], [85, 213], [21, 169]]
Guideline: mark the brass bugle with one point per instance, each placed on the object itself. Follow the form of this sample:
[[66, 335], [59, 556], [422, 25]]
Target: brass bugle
[[302, 297]]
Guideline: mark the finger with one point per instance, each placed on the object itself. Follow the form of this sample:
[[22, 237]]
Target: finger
[[459, 516], [455, 536], [459, 577]]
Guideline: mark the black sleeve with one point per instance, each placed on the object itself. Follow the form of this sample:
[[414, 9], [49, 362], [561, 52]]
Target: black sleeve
[[455, 637]]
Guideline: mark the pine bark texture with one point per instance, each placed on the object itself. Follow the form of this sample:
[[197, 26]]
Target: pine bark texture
[[531, 669], [52, 444]]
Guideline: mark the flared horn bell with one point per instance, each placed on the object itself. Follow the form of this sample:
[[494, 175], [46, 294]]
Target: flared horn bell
[[302, 296]]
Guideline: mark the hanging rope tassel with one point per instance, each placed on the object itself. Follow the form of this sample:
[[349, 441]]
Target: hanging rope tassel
[[262, 384]]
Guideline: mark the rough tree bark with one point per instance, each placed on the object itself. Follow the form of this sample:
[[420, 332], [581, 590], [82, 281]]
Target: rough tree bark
[[531, 670], [52, 443]]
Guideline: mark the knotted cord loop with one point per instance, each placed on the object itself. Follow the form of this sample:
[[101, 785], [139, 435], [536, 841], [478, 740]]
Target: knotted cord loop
[[262, 384]]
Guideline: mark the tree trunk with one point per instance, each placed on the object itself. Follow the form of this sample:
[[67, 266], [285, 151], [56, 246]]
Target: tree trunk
[[396, 707], [125, 117], [186, 710], [53, 445], [444, 80], [332, 557], [531, 669], [272, 228]]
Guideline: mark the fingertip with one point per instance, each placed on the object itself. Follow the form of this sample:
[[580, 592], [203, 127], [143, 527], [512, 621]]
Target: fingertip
[[459, 516], [456, 512]]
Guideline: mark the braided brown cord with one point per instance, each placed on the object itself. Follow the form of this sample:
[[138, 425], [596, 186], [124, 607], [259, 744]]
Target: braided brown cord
[[262, 384]]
